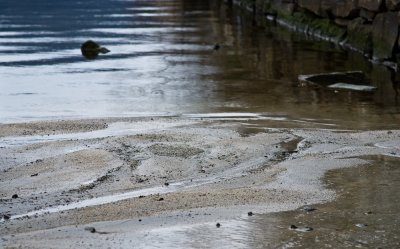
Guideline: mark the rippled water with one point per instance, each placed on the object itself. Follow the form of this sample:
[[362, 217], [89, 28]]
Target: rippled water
[[162, 62]]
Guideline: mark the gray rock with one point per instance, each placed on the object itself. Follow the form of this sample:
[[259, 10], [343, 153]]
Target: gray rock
[[393, 4], [373, 5], [304, 229], [385, 30], [367, 14], [327, 8], [342, 8], [311, 5], [301, 229], [361, 225], [309, 208], [90, 229], [359, 36]]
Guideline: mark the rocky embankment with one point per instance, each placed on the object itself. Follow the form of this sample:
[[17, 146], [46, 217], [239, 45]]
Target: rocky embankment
[[370, 27]]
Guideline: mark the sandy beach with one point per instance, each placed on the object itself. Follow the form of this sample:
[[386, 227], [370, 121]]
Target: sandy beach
[[106, 182]]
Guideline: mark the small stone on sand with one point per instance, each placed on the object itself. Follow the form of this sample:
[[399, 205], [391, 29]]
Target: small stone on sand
[[90, 229]]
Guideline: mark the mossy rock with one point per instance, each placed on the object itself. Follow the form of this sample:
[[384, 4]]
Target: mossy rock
[[359, 36], [385, 29], [312, 25], [264, 6]]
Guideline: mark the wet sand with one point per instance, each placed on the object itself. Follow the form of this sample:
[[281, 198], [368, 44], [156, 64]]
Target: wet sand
[[155, 182], [364, 215]]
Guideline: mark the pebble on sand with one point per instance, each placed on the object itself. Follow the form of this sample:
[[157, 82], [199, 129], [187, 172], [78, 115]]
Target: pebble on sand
[[361, 225], [300, 229], [309, 208], [90, 229]]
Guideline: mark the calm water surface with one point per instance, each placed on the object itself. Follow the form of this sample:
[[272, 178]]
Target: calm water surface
[[162, 62]]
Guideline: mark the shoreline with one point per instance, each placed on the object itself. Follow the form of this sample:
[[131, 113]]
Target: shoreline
[[219, 170]]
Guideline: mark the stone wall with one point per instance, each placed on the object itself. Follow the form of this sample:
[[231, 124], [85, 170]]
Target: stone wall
[[368, 26]]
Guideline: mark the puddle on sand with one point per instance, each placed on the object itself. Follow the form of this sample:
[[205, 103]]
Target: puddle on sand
[[365, 215]]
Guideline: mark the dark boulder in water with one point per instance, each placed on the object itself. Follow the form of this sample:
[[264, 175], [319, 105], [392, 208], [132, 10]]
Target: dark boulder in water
[[91, 50]]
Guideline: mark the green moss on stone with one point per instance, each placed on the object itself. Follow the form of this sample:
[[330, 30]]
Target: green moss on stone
[[264, 6], [359, 36], [312, 25]]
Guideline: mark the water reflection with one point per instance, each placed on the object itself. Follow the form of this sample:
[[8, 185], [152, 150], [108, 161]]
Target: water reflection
[[163, 62]]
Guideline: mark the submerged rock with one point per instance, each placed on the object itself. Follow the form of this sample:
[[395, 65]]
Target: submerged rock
[[361, 88], [353, 81], [91, 50]]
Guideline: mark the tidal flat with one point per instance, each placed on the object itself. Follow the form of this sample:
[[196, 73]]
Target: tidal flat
[[166, 182]]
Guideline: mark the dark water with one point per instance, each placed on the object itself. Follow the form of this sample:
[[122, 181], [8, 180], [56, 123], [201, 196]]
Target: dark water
[[162, 62]]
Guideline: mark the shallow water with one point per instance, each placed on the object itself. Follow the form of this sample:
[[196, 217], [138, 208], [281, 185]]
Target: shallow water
[[162, 62]]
